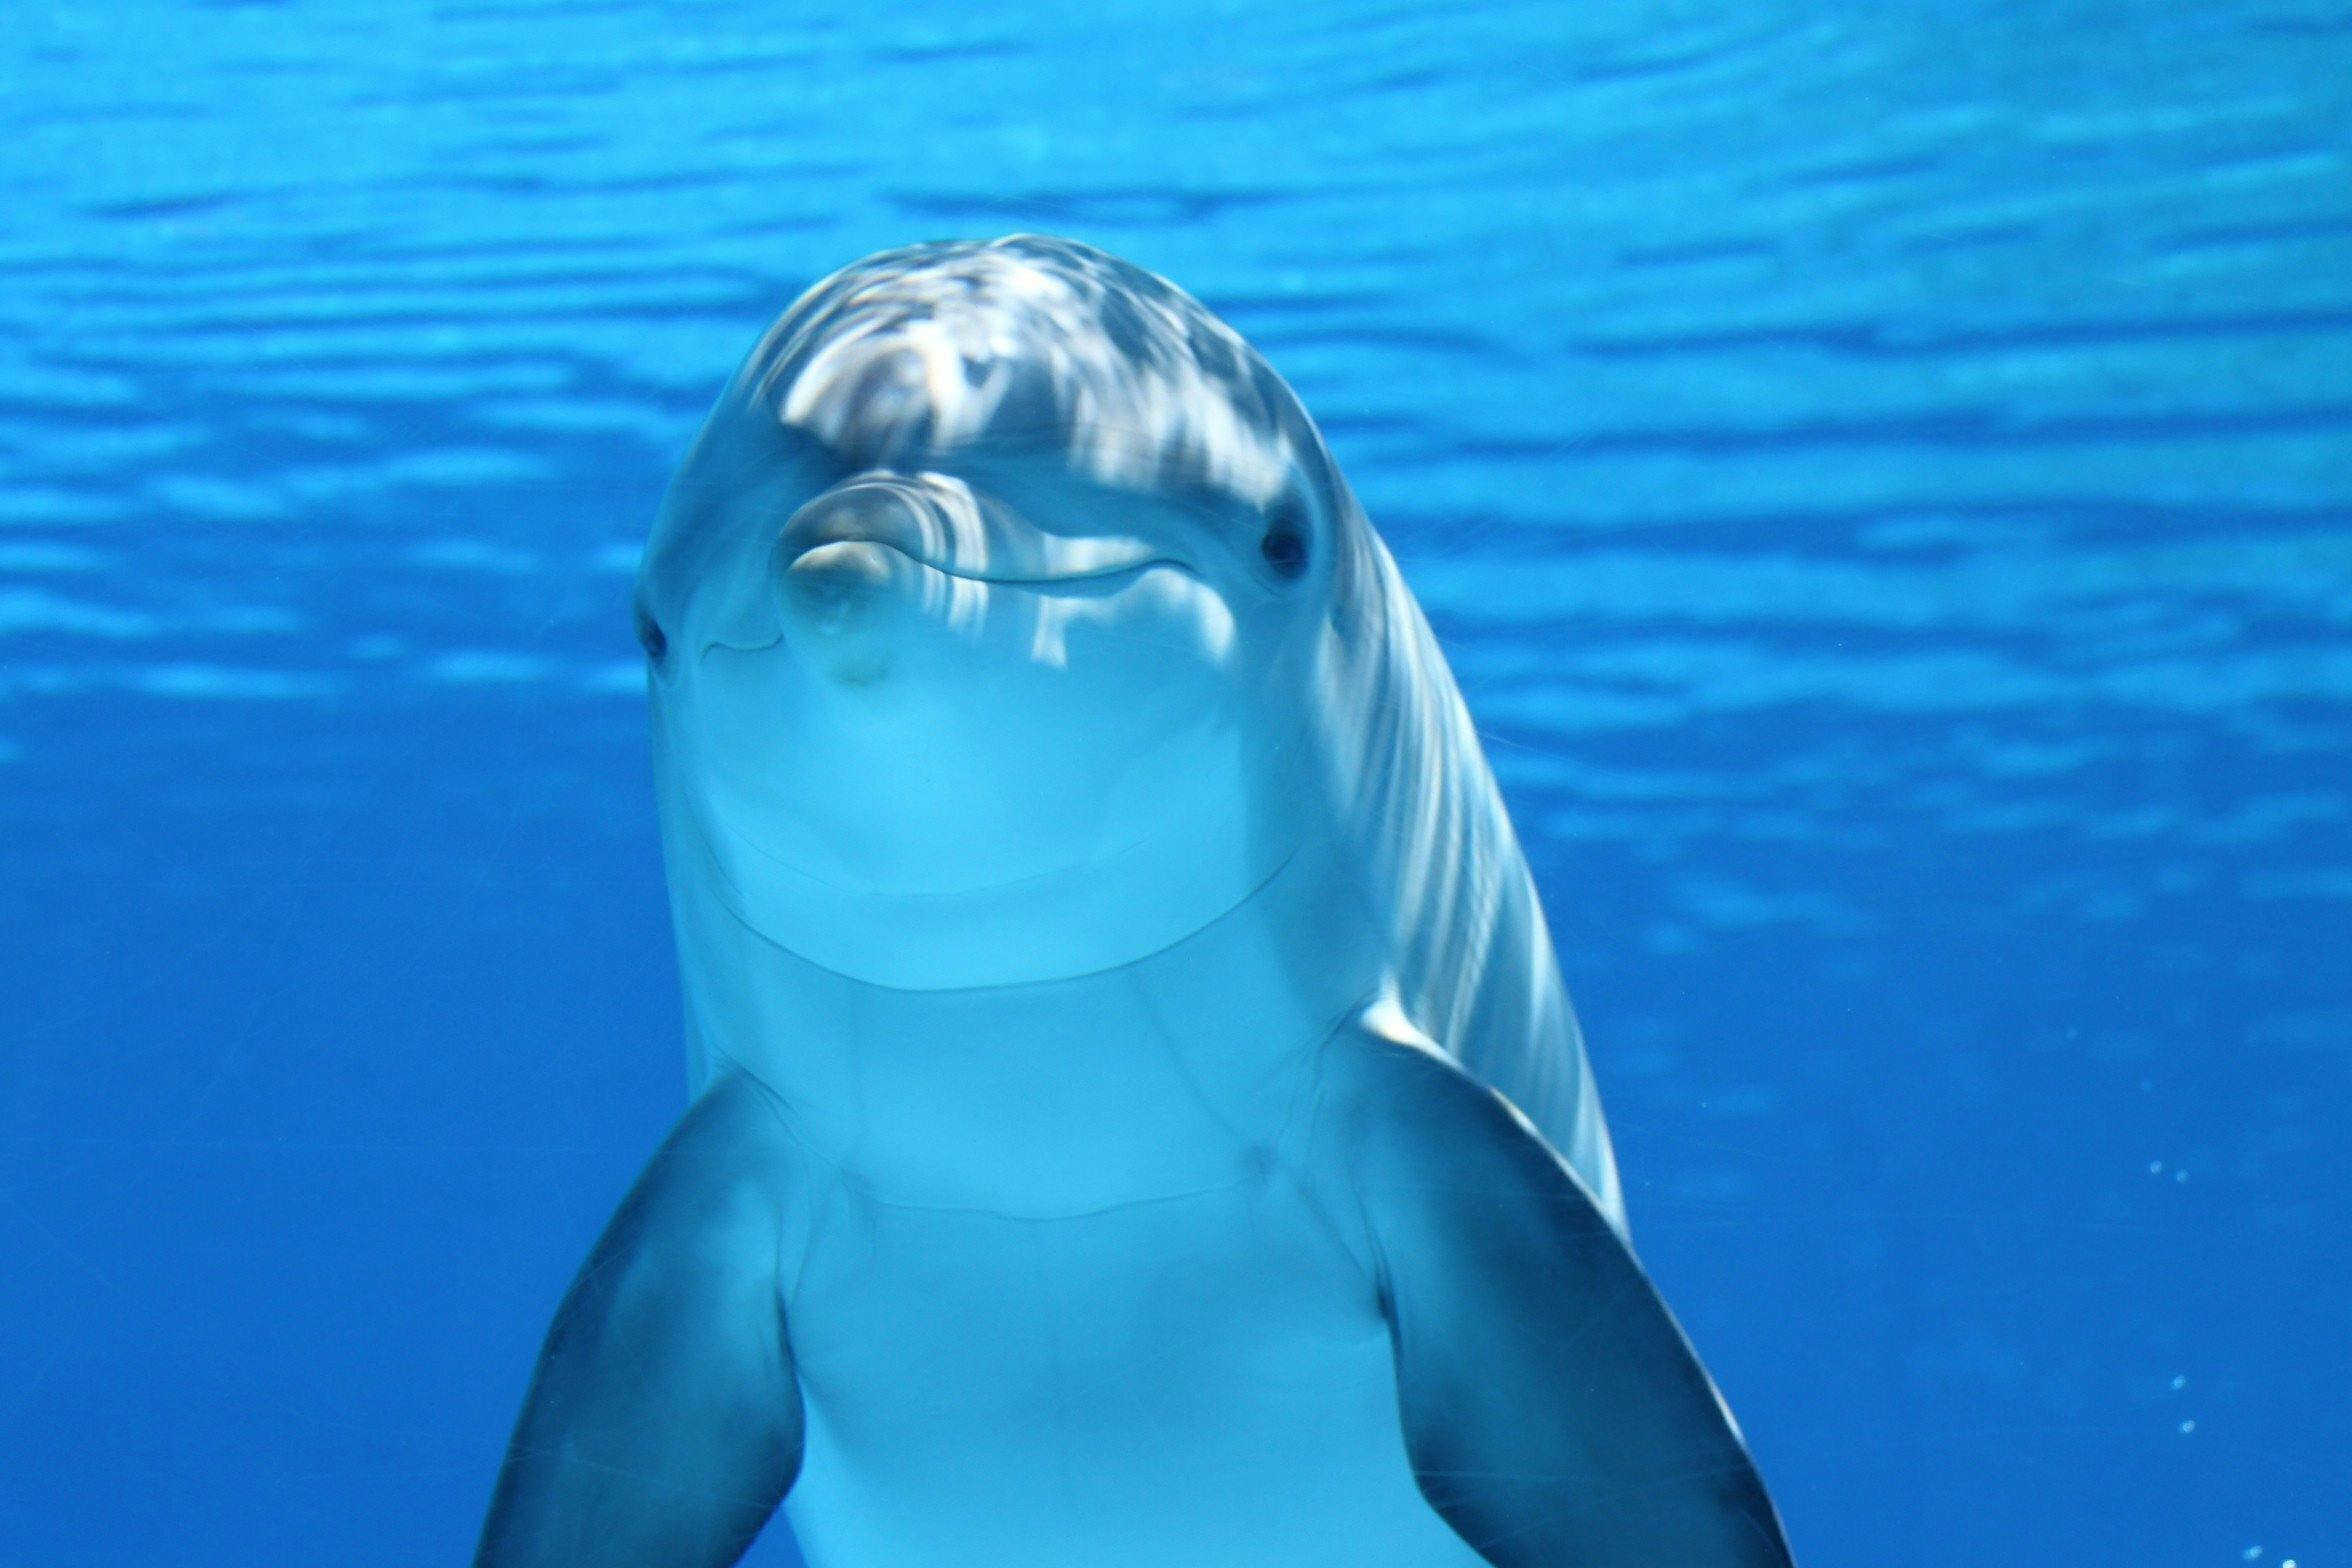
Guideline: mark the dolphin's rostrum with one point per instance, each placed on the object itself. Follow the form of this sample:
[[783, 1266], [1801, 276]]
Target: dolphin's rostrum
[[1137, 1118]]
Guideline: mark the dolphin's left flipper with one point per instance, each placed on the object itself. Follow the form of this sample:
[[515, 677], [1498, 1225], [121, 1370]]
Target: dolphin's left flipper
[[664, 1423], [1553, 1412]]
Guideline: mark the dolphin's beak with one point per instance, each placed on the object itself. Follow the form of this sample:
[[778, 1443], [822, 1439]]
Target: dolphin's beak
[[944, 525], [857, 568]]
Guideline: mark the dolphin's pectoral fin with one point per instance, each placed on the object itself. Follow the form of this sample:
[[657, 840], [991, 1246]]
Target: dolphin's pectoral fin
[[1553, 1412], [663, 1424]]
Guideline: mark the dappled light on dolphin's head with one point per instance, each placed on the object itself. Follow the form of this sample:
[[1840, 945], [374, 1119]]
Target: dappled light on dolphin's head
[[931, 350]]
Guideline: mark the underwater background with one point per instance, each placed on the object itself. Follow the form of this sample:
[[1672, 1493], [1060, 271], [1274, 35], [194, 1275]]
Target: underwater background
[[1883, 476]]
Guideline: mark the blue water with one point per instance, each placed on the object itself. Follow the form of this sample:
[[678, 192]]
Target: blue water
[[1883, 476]]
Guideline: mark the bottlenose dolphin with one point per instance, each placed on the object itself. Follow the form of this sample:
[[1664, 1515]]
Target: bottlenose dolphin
[[1138, 1120]]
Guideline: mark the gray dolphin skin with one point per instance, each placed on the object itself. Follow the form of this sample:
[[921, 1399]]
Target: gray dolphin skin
[[1137, 1118]]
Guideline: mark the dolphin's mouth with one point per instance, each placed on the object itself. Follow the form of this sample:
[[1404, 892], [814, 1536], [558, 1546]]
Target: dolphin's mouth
[[1101, 579], [941, 524], [1085, 578]]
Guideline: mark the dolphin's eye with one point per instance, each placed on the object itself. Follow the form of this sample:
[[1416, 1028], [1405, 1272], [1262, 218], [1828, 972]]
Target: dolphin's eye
[[1285, 543], [649, 635]]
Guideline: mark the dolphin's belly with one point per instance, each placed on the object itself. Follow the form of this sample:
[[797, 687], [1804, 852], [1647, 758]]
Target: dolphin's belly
[[1192, 1380]]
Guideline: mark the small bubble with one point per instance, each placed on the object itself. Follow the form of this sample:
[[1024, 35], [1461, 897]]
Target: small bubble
[[2179, 1176], [2187, 1427], [2180, 1380], [2251, 1552], [2155, 1167]]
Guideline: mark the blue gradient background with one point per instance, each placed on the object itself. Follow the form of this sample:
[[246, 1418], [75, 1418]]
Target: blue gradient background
[[1883, 476]]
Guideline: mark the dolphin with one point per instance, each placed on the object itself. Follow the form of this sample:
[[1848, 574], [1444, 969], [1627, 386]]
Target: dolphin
[[1137, 1116]]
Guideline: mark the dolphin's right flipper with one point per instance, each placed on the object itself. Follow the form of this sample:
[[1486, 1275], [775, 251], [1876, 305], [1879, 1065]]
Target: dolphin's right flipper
[[663, 1425], [1553, 1413]]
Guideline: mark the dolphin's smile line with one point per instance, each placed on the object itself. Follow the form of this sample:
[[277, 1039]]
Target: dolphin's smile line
[[1095, 580]]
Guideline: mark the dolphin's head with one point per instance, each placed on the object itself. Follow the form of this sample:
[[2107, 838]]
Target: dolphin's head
[[981, 619]]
